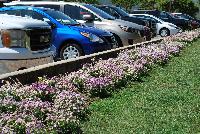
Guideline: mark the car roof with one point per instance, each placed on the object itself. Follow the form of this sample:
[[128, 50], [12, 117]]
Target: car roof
[[24, 7], [144, 14], [177, 13], [147, 10], [42, 2]]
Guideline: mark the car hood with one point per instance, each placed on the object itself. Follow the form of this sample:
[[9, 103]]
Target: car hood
[[93, 30], [167, 23], [126, 23], [6, 22]]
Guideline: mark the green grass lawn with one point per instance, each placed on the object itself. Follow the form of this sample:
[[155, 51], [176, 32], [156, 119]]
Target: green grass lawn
[[167, 101]]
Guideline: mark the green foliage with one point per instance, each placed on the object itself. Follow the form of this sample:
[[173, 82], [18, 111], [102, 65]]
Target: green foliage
[[184, 6], [127, 4], [19, 128]]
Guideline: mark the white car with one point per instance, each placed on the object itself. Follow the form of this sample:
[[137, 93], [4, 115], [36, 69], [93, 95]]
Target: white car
[[24, 43], [163, 28]]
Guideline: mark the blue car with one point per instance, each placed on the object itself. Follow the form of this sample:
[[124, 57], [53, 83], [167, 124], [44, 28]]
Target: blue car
[[70, 38]]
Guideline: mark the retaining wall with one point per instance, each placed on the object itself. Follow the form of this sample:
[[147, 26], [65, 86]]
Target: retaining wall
[[31, 75]]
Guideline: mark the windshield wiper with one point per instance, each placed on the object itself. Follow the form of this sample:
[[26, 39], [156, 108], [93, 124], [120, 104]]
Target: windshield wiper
[[110, 18]]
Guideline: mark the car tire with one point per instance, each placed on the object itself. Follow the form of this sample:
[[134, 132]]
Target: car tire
[[119, 42], [164, 32], [70, 50]]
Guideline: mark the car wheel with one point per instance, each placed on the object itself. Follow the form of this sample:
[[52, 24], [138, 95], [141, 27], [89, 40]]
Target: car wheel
[[70, 50], [119, 42], [164, 32]]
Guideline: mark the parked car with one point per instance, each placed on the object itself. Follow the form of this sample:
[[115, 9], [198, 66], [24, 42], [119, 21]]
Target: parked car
[[167, 17], [24, 43], [163, 28], [126, 33], [70, 38], [194, 22], [119, 13]]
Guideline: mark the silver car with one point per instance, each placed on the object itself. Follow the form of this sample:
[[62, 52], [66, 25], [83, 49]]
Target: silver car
[[163, 28], [126, 33]]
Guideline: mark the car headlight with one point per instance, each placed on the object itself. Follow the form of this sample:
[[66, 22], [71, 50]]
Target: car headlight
[[14, 38], [92, 37], [128, 29]]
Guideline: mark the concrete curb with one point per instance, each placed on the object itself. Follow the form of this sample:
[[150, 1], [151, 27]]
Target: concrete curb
[[31, 75]]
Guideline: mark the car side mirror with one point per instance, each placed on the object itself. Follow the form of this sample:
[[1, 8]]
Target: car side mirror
[[53, 26], [50, 23], [88, 17]]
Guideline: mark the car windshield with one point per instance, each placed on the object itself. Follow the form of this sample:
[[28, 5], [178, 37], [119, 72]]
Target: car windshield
[[176, 16], [186, 16], [150, 17], [99, 12], [60, 17], [156, 18], [121, 11], [171, 15]]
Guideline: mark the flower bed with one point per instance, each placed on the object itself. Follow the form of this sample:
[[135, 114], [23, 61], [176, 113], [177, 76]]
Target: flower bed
[[57, 105]]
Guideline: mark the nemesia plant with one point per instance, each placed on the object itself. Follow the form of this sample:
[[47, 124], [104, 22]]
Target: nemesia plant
[[56, 105]]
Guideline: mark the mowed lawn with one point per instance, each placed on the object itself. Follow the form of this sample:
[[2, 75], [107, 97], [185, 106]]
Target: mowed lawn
[[166, 101]]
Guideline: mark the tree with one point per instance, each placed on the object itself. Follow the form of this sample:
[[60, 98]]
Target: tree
[[127, 4], [184, 6]]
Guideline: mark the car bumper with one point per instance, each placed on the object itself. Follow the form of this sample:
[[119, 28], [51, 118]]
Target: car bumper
[[175, 31], [13, 59], [7, 66], [24, 53], [131, 38], [90, 48]]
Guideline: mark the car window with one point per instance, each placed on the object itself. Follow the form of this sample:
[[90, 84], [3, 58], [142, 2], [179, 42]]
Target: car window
[[60, 17], [121, 11], [77, 12], [114, 13], [11, 12], [163, 15], [55, 7], [32, 14], [101, 13], [72, 11], [106, 9]]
